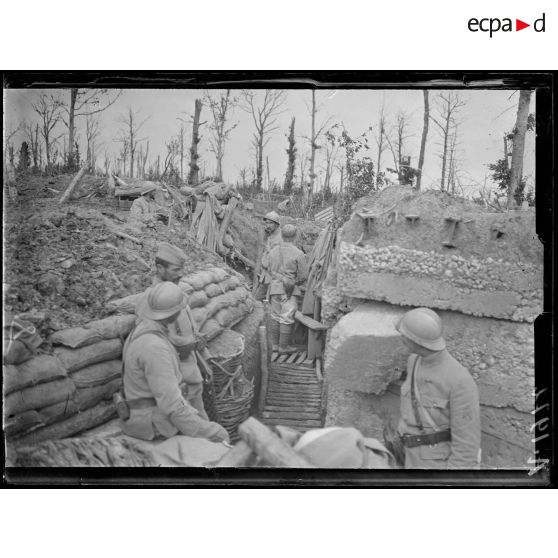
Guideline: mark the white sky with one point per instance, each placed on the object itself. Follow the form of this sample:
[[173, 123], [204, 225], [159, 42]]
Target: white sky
[[486, 116]]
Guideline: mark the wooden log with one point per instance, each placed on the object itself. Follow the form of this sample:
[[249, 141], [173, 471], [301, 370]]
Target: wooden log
[[126, 236], [120, 182], [68, 192], [269, 447], [238, 456], [319, 370], [309, 322], [262, 334]]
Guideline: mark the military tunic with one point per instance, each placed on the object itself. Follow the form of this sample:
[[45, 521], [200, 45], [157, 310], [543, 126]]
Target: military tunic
[[450, 399], [285, 261], [152, 371]]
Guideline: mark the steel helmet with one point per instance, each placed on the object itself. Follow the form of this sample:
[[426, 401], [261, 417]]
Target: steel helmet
[[162, 301], [288, 231], [273, 217], [424, 327]]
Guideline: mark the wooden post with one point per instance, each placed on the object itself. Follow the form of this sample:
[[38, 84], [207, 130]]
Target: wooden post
[[269, 447], [258, 267], [262, 336], [66, 195], [111, 185]]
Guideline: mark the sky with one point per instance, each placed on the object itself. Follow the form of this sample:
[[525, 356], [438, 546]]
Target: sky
[[484, 119]]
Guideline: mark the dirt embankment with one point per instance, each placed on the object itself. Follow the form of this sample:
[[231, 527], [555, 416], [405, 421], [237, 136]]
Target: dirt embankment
[[62, 263]]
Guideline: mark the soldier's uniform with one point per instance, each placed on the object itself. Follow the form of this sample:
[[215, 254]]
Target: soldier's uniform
[[440, 412], [285, 261], [151, 388]]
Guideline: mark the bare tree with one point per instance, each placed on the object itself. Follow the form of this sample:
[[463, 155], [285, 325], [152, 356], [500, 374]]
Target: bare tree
[[85, 102], [50, 109], [142, 160], [131, 126], [332, 152], [264, 115], [180, 137], [291, 164], [314, 146], [92, 132], [220, 108], [518, 141], [396, 141], [380, 142], [194, 173], [423, 138], [448, 105], [32, 134]]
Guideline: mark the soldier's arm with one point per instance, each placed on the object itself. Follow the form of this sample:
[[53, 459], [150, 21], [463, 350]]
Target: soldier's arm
[[159, 366], [465, 425]]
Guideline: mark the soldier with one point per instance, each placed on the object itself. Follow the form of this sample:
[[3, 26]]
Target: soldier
[[288, 269], [169, 266], [440, 414], [272, 228], [143, 208], [152, 374]]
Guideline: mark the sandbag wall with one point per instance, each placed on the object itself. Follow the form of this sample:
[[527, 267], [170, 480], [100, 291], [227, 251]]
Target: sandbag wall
[[58, 395]]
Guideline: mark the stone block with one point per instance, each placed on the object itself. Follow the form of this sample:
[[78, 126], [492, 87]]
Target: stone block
[[364, 352]]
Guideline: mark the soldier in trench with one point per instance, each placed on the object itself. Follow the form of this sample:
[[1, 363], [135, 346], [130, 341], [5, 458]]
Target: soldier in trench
[[272, 229], [440, 413]]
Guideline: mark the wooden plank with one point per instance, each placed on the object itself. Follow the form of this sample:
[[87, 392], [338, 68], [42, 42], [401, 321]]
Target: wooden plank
[[299, 388], [294, 423], [269, 447], [262, 336], [309, 362], [291, 415], [319, 370], [301, 358], [274, 356], [300, 407], [287, 377], [292, 358], [309, 322], [282, 358]]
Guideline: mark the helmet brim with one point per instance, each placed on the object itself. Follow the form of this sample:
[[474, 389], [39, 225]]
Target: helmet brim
[[143, 310], [433, 345]]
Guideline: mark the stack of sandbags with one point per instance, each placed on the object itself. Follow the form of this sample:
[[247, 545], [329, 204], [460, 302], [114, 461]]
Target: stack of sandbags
[[217, 297], [59, 395]]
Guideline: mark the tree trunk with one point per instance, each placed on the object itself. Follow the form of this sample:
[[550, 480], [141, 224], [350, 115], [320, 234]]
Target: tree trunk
[[518, 145], [194, 174], [71, 127], [310, 189], [259, 162], [445, 152], [423, 139]]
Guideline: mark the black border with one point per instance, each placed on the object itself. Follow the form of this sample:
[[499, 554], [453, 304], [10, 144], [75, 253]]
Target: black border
[[542, 82]]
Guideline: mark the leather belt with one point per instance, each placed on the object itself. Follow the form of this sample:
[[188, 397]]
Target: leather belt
[[412, 441], [141, 403]]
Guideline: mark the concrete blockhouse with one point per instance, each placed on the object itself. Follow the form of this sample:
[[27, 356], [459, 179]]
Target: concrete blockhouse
[[481, 271]]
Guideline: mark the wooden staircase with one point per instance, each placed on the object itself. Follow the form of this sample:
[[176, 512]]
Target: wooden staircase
[[296, 392]]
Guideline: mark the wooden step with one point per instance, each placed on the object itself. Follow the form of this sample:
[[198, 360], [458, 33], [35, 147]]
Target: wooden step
[[295, 415], [309, 408]]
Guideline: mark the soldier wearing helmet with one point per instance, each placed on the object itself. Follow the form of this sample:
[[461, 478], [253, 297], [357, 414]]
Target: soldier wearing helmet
[[288, 269], [440, 415], [157, 408], [272, 229]]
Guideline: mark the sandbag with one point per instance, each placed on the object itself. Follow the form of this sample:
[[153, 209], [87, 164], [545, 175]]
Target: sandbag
[[109, 328], [198, 299], [20, 342], [199, 279], [211, 329], [219, 274], [186, 288], [223, 317], [42, 368], [21, 423], [213, 289], [230, 283], [39, 396], [97, 374], [90, 396], [199, 315], [75, 359], [58, 412], [126, 305], [99, 414]]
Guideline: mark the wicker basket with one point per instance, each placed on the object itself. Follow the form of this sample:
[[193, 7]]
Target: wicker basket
[[228, 351]]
